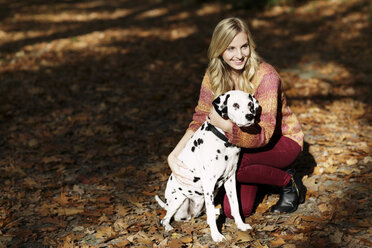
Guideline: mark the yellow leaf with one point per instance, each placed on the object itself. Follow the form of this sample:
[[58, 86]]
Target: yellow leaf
[[186, 239]]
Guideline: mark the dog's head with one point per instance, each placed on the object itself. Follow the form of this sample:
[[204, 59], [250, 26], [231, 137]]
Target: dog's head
[[238, 106]]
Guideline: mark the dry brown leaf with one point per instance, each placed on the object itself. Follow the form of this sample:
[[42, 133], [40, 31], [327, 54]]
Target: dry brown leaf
[[70, 211], [30, 183], [106, 232], [175, 243], [51, 159], [277, 242], [63, 200], [243, 236], [270, 228], [323, 207]]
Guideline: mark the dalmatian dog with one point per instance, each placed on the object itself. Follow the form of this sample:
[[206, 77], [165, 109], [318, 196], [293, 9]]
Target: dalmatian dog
[[212, 159]]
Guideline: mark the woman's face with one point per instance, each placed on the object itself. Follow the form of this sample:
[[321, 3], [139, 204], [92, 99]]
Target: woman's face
[[237, 53]]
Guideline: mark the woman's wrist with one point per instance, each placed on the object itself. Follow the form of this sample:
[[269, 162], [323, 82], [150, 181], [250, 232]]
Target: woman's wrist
[[228, 127]]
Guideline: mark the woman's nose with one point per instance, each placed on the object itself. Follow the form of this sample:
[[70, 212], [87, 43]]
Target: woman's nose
[[239, 53]]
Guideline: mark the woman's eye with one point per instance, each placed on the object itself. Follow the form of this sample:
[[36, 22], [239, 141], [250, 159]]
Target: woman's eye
[[230, 49], [245, 46]]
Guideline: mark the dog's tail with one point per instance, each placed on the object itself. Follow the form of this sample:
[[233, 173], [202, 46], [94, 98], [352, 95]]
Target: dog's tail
[[160, 202]]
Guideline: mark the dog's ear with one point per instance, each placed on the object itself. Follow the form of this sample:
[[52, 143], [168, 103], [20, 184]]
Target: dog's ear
[[220, 105]]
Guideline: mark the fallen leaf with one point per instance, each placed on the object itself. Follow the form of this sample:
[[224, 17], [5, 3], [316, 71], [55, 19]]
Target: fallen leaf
[[277, 242], [186, 239], [70, 211], [243, 236]]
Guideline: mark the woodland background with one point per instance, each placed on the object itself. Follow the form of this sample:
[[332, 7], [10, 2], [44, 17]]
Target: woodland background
[[95, 94]]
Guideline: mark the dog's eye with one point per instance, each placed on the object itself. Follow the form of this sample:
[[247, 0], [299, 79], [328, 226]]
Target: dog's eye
[[236, 106]]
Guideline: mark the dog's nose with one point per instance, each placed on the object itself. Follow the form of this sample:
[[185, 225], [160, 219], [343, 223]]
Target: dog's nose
[[249, 117]]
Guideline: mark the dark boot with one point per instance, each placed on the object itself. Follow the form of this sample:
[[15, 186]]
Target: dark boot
[[291, 195]]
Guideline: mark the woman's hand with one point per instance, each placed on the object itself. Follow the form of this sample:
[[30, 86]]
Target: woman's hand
[[180, 171], [216, 120]]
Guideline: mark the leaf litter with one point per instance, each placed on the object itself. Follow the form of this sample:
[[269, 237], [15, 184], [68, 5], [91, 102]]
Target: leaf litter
[[93, 101]]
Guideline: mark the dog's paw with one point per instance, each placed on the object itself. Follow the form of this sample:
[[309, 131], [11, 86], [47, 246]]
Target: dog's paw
[[168, 228], [218, 237], [244, 227]]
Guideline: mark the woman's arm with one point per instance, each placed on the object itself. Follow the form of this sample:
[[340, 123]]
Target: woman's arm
[[267, 95]]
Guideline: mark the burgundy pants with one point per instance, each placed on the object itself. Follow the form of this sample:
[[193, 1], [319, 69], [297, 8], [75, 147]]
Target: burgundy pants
[[262, 166]]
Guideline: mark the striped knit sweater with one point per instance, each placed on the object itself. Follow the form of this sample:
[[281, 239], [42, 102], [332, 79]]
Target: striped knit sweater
[[276, 116]]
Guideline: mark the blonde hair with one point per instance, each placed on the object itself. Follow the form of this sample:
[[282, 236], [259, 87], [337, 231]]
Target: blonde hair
[[219, 71]]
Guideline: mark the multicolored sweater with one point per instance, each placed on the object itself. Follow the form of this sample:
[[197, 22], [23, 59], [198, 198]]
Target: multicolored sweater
[[276, 117]]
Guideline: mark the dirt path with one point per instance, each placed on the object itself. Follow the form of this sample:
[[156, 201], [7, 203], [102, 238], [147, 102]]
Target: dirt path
[[95, 94]]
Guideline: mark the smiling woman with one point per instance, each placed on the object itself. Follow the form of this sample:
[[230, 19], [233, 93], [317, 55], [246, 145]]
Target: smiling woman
[[272, 143]]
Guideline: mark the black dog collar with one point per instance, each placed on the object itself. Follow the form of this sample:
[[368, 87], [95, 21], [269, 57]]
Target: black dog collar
[[220, 135]]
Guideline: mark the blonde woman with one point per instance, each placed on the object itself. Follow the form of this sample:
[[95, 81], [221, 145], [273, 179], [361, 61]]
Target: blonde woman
[[270, 146]]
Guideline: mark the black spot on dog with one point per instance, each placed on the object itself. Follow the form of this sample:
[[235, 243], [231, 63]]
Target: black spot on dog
[[216, 157], [202, 127], [217, 100], [193, 149], [218, 151], [226, 157], [236, 106], [183, 219], [200, 141], [190, 191], [198, 193], [170, 178], [180, 188], [195, 143], [196, 179], [224, 112], [227, 97]]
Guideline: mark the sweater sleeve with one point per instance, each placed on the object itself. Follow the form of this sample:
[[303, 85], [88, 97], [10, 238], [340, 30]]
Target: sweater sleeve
[[267, 95], [204, 104]]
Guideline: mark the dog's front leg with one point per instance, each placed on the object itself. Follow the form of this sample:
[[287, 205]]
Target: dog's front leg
[[230, 187], [208, 188]]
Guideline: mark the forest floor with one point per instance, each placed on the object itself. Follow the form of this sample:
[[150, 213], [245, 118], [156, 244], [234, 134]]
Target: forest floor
[[95, 94]]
